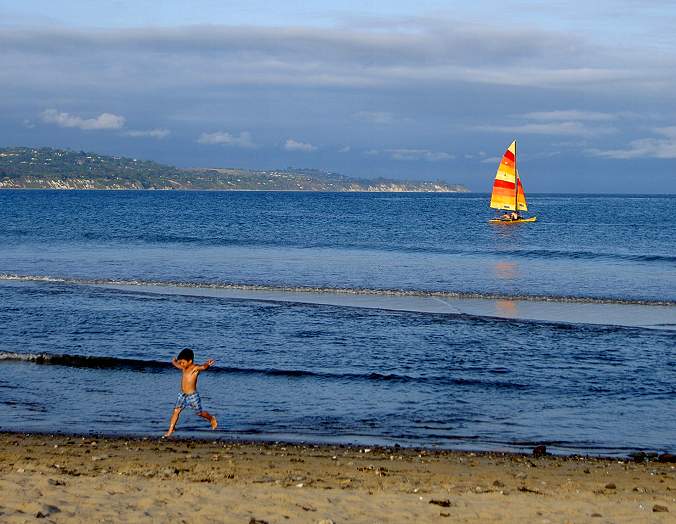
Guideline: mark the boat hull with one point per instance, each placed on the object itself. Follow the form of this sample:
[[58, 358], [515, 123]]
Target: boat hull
[[517, 221]]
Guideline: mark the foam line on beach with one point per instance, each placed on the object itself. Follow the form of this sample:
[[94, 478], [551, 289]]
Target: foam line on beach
[[571, 310], [353, 291]]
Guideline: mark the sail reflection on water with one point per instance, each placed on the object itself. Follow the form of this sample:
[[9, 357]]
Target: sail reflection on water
[[506, 270], [507, 308]]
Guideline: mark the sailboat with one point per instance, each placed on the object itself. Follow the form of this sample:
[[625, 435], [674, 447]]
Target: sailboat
[[508, 192]]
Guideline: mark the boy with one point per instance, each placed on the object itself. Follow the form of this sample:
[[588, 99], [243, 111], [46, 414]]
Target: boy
[[189, 395]]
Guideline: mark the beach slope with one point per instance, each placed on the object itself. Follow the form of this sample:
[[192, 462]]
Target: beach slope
[[87, 479]]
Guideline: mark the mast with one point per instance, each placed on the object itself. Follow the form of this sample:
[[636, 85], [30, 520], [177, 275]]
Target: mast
[[516, 183]]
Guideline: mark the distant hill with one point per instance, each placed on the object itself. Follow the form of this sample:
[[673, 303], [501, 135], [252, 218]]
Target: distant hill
[[47, 168]]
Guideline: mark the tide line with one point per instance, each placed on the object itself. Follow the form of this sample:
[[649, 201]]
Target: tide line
[[625, 315]]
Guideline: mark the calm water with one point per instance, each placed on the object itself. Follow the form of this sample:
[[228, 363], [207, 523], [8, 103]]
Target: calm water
[[77, 354]]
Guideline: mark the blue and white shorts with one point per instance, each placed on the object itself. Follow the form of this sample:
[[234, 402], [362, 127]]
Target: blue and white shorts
[[193, 400]]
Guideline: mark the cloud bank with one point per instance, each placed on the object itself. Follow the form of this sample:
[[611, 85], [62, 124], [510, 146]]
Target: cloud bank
[[427, 52]]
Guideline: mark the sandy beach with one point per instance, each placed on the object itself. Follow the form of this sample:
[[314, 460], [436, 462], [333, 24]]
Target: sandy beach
[[85, 479]]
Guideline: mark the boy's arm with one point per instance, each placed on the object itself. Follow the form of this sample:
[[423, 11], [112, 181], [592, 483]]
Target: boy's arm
[[206, 365], [175, 363]]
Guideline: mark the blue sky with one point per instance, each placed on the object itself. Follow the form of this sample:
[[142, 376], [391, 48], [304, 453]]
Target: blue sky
[[435, 90]]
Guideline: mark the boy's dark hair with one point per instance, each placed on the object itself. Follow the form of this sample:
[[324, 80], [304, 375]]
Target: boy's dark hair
[[186, 354]]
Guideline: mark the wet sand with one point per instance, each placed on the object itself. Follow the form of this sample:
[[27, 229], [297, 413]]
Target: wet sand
[[95, 479], [575, 312]]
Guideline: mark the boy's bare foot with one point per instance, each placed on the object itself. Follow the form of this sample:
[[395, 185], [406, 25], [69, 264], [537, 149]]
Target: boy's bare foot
[[167, 434], [214, 422]]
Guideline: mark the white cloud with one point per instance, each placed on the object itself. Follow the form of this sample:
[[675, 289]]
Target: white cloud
[[103, 121], [158, 134], [411, 154], [345, 149], [569, 115], [569, 123], [293, 145], [242, 140], [418, 154], [569, 128], [644, 147], [375, 117]]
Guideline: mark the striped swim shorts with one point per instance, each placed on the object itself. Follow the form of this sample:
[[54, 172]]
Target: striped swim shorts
[[189, 399]]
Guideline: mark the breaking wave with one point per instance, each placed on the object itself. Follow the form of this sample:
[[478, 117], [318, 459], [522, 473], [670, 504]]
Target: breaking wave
[[334, 290], [113, 363]]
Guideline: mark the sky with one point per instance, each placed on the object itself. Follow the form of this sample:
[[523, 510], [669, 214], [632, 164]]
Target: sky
[[425, 90]]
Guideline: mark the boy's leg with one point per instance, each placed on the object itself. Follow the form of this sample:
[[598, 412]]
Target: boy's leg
[[172, 423], [212, 420]]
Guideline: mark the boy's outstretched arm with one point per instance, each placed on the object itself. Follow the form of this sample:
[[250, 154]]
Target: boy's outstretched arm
[[206, 365]]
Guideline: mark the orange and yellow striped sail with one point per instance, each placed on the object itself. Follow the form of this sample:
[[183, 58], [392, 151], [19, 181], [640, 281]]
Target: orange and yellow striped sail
[[505, 193]]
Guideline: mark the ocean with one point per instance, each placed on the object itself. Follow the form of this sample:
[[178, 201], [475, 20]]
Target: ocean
[[364, 318]]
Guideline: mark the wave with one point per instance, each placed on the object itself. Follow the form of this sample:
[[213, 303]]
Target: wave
[[334, 290], [545, 254], [114, 363], [83, 361], [584, 255], [221, 241]]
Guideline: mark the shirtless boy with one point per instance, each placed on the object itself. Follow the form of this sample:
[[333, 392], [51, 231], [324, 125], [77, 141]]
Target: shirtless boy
[[189, 395]]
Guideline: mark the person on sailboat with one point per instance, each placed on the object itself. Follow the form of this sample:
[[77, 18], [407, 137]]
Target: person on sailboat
[[510, 216]]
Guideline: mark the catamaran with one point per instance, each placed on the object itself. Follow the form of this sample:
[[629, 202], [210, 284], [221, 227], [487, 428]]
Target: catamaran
[[508, 192]]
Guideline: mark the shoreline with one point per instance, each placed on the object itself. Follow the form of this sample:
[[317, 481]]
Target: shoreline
[[518, 449], [233, 190], [87, 477], [524, 449], [483, 193]]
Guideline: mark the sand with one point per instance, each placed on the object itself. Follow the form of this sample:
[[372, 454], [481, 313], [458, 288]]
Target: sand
[[94, 479]]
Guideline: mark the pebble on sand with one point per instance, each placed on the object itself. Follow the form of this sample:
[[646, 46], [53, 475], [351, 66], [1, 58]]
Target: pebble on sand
[[539, 451], [638, 456]]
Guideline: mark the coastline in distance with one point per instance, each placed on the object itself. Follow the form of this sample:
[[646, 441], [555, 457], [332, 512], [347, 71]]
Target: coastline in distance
[[48, 168]]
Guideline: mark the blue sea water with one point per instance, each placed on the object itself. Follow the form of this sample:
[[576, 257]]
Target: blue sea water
[[86, 336]]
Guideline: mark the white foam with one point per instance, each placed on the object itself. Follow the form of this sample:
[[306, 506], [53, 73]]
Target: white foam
[[575, 310]]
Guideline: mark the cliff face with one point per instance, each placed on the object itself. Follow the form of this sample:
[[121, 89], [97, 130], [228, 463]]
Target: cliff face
[[61, 183], [46, 168]]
